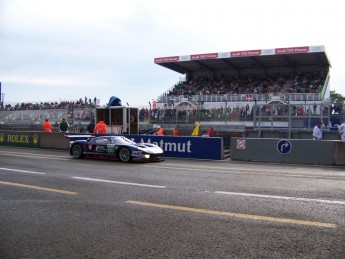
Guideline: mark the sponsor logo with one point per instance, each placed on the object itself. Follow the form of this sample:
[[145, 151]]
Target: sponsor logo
[[18, 139], [180, 147], [246, 53], [292, 50], [166, 59], [204, 56], [35, 139], [100, 148]]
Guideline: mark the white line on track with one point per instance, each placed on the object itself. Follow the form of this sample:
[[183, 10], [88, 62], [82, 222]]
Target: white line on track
[[20, 171], [36, 156], [281, 197], [117, 182], [251, 171]]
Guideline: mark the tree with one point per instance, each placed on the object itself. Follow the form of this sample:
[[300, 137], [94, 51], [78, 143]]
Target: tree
[[336, 97]]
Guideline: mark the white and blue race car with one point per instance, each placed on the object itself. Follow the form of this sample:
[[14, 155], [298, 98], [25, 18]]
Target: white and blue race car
[[117, 147]]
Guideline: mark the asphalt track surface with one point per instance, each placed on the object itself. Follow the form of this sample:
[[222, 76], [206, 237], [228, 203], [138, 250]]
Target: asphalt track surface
[[54, 206]]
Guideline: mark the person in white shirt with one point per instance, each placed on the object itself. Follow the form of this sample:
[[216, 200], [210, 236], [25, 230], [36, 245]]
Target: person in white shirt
[[317, 133], [342, 131]]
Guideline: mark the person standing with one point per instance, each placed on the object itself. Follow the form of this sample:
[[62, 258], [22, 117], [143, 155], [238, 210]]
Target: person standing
[[100, 128], [317, 133], [176, 132], [47, 127], [160, 132], [63, 126], [90, 128], [209, 133], [342, 131]]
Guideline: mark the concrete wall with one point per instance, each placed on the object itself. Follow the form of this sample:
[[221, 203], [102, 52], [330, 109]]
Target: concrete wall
[[54, 141], [339, 154], [284, 133], [325, 152]]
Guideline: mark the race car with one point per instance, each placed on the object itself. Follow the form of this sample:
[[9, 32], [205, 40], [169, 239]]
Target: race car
[[117, 147]]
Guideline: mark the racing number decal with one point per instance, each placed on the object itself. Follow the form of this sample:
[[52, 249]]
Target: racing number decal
[[110, 149]]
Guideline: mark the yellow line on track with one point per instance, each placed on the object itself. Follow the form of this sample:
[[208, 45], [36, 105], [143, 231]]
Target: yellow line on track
[[237, 215], [39, 188]]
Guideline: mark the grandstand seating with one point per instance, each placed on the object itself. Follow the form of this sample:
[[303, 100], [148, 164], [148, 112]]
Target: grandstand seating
[[273, 85]]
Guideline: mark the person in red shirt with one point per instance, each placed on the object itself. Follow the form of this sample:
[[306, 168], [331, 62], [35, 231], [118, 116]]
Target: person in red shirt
[[160, 132], [209, 133], [176, 132], [47, 127], [100, 128]]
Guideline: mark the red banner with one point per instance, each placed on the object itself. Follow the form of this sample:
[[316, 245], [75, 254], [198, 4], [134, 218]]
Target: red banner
[[167, 59], [245, 53], [292, 50], [203, 56], [249, 97]]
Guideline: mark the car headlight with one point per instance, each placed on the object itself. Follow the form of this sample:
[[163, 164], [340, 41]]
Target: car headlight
[[147, 156]]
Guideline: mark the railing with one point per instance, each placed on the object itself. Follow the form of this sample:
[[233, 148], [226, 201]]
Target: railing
[[315, 97], [230, 116], [32, 117], [259, 116]]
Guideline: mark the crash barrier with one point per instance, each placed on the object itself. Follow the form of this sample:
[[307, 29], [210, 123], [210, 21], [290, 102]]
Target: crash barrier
[[184, 147], [34, 139], [296, 151]]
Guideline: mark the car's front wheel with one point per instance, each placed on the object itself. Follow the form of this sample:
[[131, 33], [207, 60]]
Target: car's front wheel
[[125, 154], [77, 151]]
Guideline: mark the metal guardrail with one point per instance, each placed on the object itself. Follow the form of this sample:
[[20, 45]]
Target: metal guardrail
[[314, 97]]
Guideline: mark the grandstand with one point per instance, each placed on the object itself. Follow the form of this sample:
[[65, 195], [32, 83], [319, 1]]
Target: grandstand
[[251, 88], [237, 74]]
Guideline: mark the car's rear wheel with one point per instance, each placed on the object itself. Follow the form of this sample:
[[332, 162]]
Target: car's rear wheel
[[77, 151], [125, 154]]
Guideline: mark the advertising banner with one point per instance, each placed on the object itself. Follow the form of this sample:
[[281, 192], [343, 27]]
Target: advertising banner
[[184, 146], [20, 139]]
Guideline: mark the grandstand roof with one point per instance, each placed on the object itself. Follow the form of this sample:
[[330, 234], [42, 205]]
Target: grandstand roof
[[247, 59]]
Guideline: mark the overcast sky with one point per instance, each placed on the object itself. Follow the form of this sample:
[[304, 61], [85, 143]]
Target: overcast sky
[[52, 50]]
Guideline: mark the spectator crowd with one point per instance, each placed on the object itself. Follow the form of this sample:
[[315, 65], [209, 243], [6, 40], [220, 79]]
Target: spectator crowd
[[272, 84], [81, 103]]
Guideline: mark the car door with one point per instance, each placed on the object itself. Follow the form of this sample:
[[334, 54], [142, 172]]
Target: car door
[[100, 146]]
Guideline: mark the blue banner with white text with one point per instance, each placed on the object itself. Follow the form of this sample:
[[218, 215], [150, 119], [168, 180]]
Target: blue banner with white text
[[184, 146]]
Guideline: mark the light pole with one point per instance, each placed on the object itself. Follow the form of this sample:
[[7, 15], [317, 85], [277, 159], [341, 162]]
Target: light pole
[[2, 101], [150, 113]]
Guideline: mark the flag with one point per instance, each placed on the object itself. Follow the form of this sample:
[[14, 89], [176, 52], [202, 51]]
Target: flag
[[196, 130], [249, 97]]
